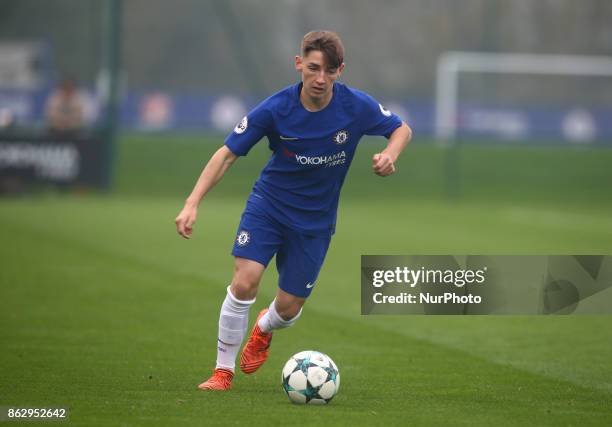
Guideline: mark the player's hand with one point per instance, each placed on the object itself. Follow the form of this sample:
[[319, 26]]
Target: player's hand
[[383, 164], [185, 220]]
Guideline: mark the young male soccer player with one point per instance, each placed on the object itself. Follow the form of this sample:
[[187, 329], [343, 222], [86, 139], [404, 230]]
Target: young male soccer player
[[313, 129]]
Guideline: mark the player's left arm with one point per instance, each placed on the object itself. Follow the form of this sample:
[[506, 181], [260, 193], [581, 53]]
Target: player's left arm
[[383, 163]]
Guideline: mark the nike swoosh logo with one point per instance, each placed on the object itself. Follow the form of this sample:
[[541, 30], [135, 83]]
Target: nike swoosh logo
[[309, 285], [288, 138]]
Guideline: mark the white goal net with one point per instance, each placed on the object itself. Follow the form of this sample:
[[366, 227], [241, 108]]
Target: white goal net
[[523, 96]]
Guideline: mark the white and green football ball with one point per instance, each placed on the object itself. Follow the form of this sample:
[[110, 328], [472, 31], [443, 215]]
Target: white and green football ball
[[311, 377]]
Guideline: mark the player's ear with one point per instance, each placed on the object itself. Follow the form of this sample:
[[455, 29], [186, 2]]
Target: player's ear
[[298, 63], [340, 69]]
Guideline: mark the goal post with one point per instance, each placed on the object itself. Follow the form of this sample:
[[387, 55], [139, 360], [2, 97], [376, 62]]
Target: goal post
[[452, 64]]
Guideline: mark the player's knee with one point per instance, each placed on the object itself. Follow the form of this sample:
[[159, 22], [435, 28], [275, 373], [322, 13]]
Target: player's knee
[[243, 289], [245, 282], [244, 286]]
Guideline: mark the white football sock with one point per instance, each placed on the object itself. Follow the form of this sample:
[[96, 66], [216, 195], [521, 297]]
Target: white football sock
[[233, 322], [272, 320]]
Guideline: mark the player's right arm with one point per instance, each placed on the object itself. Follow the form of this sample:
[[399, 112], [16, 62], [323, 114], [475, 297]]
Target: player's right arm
[[214, 170], [246, 134]]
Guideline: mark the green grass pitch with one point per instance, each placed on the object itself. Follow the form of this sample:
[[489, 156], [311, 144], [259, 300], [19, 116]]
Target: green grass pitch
[[105, 310]]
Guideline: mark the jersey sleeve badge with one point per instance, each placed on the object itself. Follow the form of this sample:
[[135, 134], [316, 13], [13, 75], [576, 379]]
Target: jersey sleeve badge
[[242, 126], [383, 110]]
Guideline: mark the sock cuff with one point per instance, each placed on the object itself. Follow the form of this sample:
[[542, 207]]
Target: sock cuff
[[236, 301], [278, 319]]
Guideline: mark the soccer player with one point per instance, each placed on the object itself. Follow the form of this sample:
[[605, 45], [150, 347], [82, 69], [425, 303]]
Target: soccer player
[[313, 129]]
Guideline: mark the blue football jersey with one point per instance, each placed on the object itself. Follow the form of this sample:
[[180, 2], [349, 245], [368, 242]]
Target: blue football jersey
[[311, 152]]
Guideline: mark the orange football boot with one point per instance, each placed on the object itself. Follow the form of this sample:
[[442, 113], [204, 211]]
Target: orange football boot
[[255, 351], [221, 380]]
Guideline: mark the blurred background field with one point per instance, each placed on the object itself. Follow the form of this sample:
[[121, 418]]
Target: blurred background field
[[167, 165], [106, 310]]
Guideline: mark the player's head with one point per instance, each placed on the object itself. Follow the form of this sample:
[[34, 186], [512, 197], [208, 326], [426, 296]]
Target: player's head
[[321, 62]]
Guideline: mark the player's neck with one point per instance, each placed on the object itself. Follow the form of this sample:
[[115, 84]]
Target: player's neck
[[315, 104]]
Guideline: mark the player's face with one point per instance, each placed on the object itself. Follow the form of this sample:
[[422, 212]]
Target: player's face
[[317, 78]]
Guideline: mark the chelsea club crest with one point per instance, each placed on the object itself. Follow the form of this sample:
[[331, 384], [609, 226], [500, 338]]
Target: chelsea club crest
[[243, 238], [341, 137]]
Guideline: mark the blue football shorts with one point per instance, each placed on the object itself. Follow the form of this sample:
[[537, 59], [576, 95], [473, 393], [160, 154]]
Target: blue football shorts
[[299, 257]]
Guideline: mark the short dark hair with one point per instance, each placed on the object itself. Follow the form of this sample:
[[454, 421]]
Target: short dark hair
[[328, 43]]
